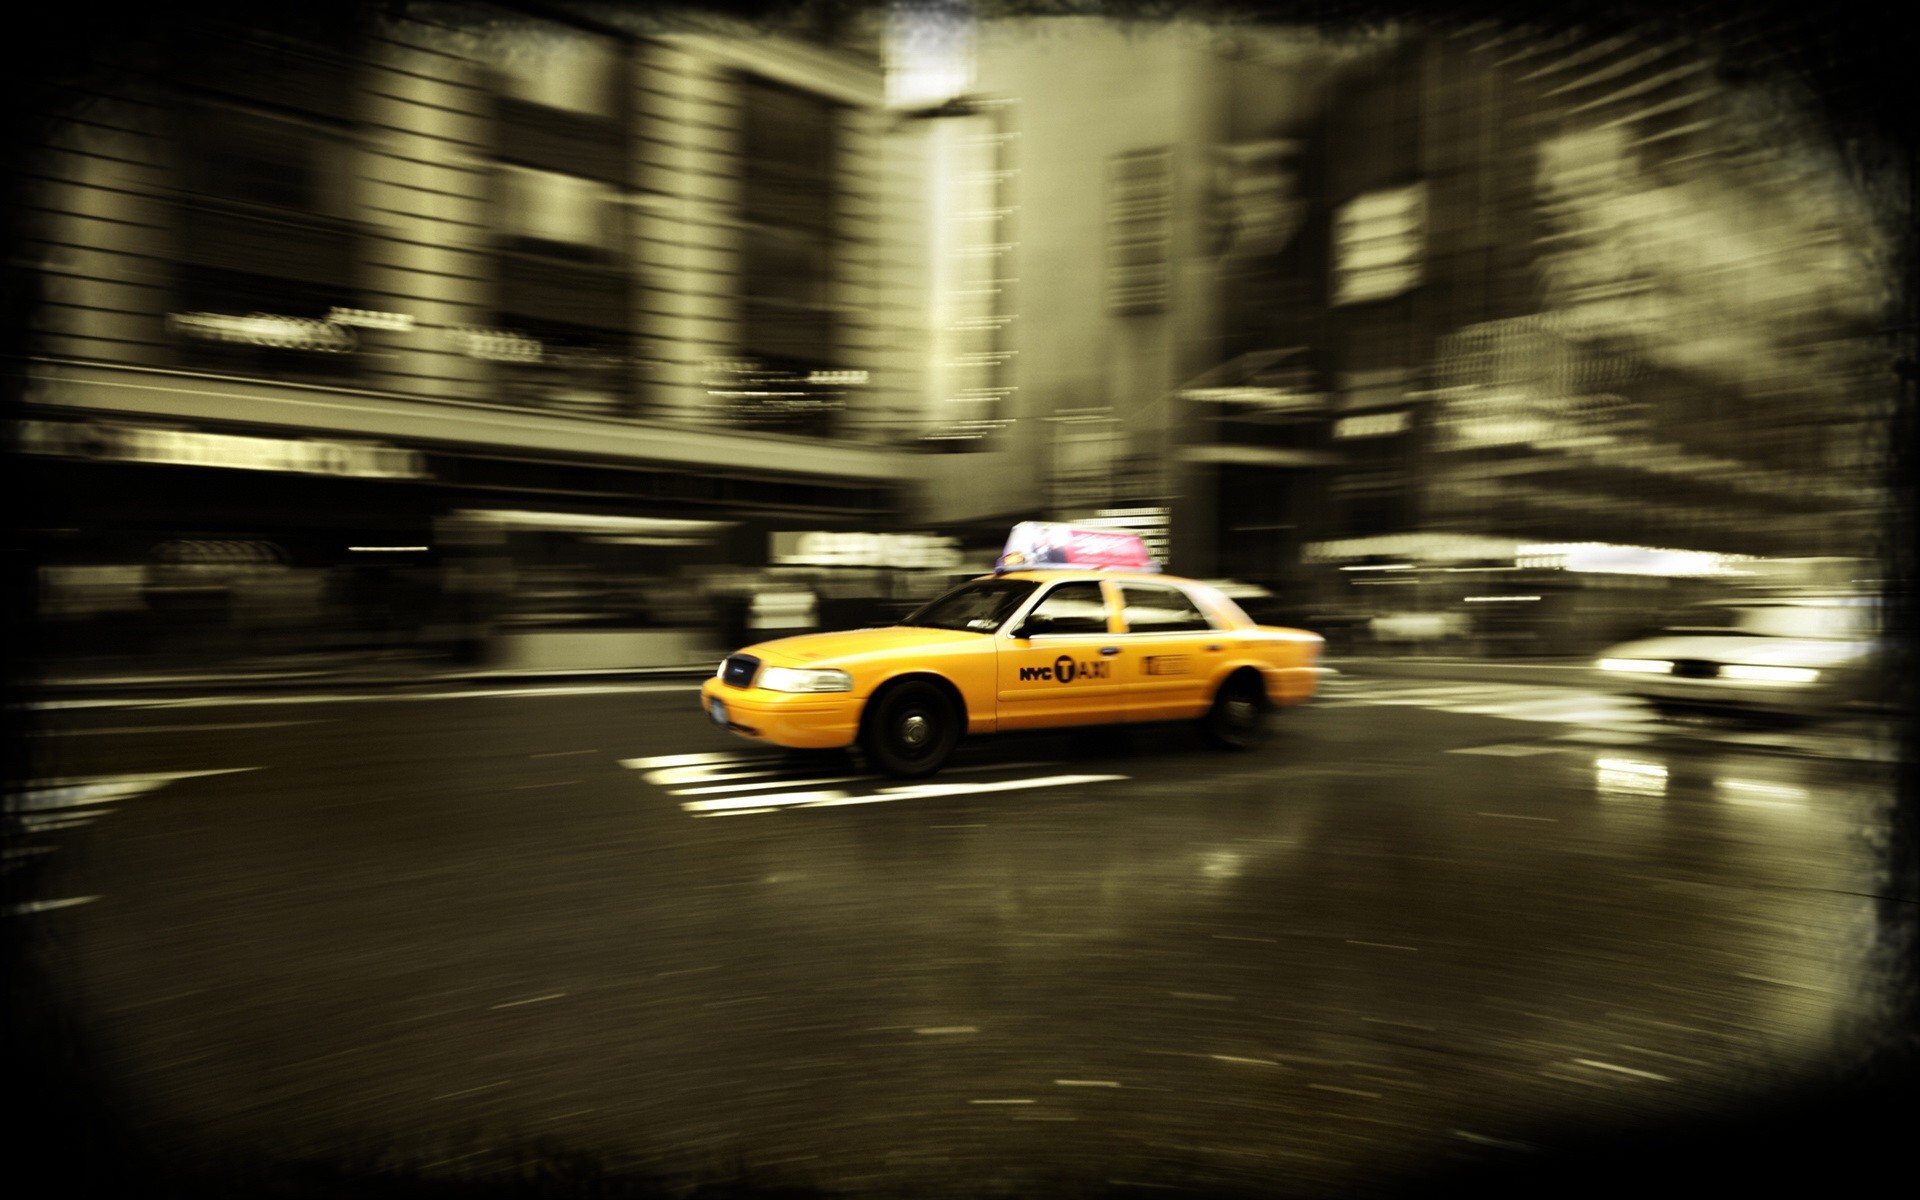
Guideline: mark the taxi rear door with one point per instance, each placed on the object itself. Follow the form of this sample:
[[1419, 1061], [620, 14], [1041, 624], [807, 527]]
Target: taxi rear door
[[1171, 647], [1061, 664]]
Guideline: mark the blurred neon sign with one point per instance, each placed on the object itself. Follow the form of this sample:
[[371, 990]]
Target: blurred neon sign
[[185, 447], [1604, 559], [837, 549], [265, 329]]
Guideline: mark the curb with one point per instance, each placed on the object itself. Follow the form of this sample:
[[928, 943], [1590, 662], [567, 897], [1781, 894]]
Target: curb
[[1552, 673], [317, 680]]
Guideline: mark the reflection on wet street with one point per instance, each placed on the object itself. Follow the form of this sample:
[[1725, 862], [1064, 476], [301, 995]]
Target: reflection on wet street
[[452, 928]]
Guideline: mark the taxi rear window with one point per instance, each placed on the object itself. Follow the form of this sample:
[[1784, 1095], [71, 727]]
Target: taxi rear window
[[1152, 608], [978, 607]]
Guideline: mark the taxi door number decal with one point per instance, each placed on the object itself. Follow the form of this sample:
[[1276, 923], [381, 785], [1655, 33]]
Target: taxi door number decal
[[1167, 664]]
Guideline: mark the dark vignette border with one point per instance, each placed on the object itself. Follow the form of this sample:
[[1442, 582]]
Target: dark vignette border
[[1851, 62]]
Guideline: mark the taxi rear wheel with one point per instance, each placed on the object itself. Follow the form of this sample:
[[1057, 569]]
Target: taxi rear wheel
[[910, 730], [1240, 717]]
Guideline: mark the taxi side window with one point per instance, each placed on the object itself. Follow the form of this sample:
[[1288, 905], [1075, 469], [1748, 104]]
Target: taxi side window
[[1070, 608], [1152, 609]]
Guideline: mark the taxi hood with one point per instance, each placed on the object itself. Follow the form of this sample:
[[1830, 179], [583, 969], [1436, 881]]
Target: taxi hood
[[826, 649]]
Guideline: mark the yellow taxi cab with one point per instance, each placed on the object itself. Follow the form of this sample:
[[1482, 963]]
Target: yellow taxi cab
[[1074, 627]]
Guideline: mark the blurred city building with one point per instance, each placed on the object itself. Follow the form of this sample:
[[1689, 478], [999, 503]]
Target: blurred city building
[[509, 335], [1507, 337], [546, 336], [1126, 198], [1600, 322]]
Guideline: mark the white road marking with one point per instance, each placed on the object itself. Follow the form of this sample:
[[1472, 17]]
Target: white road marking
[[1086, 1083], [1517, 817], [1483, 1140], [999, 1102], [680, 760], [1327, 1087], [1509, 750], [944, 1030], [1382, 945], [833, 798], [1250, 1062], [928, 790], [1607, 1066], [757, 803], [39, 824], [1785, 983], [40, 906], [149, 777], [468, 1092], [759, 787], [535, 1000], [47, 794]]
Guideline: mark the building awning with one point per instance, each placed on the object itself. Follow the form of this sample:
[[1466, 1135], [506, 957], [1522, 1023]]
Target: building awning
[[1427, 547], [1259, 456]]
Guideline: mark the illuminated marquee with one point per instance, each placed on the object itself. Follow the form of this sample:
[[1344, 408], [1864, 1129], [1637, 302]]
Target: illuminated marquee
[[1367, 425], [265, 329], [183, 447], [832, 549]]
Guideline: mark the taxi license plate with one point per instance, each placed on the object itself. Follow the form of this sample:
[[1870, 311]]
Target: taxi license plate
[[719, 711]]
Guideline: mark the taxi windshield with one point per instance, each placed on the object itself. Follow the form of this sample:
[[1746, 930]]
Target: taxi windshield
[[978, 607]]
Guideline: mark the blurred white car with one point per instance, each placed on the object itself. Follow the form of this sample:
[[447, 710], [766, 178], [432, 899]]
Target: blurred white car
[[1801, 657]]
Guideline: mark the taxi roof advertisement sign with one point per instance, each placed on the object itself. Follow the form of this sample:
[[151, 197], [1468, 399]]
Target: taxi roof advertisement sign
[[1041, 544]]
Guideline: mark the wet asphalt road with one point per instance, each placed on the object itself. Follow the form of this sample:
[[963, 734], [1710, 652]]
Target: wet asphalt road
[[1424, 919]]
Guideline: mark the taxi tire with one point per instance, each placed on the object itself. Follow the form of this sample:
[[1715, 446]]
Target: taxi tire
[[888, 727], [1241, 717]]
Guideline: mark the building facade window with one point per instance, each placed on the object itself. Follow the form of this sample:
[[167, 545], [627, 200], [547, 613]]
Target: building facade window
[[568, 73], [562, 329], [552, 213], [564, 368], [265, 241], [790, 331], [1139, 231]]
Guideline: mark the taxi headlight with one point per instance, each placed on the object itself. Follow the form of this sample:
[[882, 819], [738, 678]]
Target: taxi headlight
[[1645, 666], [1771, 674], [794, 679]]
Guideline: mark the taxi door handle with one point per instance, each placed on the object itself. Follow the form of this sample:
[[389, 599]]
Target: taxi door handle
[[1212, 648], [1109, 650]]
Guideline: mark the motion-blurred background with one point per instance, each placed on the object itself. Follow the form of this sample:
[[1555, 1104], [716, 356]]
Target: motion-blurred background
[[551, 337]]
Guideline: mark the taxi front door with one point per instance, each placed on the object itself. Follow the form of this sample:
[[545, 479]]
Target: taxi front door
[[1063, 664]]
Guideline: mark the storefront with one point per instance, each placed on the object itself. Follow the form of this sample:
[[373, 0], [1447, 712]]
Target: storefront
[[168, 544]]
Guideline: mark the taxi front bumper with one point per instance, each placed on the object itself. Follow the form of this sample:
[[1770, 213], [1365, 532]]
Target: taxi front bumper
[[802, 721]]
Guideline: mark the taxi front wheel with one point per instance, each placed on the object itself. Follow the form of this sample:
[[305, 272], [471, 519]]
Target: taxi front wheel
[[910, 730], [1240, 716]]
